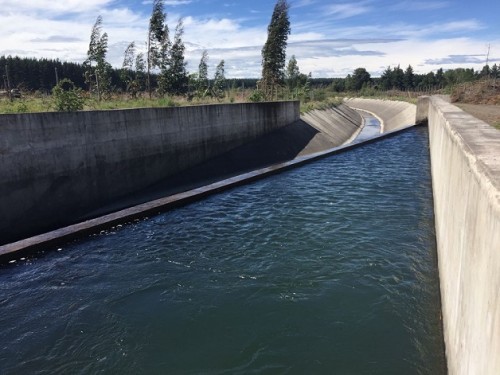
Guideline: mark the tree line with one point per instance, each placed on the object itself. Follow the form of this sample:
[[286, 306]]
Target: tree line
[[161, 69]]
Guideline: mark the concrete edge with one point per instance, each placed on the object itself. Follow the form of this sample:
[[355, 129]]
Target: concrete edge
[[15, 250], [357, 132], [374, 115], [482, 172]]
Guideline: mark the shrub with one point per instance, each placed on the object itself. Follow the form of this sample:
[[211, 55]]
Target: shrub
[[67, 97], [257, 96]]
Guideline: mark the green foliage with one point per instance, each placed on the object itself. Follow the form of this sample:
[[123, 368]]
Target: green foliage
[[359, 79], [219, 81], [174, 78], [274, 50], [158, 44], [67, 97], [257, 96], [98, 77], [409, 79], [201, 79]]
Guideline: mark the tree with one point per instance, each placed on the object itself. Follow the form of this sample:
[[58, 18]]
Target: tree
[[485, 72], [409, 78], [296, 81], [174, 76], [360, 78], [67, 97], [386, 79], [100, 73], [127, 71], [440, 79], [274, 50], [292, 73], [398, 76], [494, 72], [202, 84], [158, 41], [140, 71], [219, 81]]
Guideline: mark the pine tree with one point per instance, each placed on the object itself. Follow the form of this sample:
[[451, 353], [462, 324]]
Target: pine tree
[[386, 79], [409, 78], [158, 41], [274, 50], [398, 78], [494, 72]]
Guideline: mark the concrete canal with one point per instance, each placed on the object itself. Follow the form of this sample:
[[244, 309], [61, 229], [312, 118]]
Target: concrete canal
[[327, 268]]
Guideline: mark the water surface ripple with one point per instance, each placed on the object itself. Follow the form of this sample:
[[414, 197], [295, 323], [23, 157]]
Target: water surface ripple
[[329, 268]]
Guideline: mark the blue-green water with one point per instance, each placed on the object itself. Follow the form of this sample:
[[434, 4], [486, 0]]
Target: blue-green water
[[325, 269]]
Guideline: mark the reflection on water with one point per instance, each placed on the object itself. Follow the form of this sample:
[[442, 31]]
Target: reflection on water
[[329, 268]]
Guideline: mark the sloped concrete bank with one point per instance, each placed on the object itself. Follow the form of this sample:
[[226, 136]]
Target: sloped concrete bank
[[336, 125], [392, 114], [55, 167], [465, 159]]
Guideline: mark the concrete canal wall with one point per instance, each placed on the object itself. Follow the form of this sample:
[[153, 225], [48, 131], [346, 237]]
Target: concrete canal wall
[[465, 158], [392, 114], [57, 166]]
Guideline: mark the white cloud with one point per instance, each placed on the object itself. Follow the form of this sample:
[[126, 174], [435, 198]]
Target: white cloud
[[52, 6], [54, 29], [347, 10], [415, 6]]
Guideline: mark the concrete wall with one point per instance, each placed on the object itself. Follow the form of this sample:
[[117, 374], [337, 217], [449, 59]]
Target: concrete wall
[[392, 114], [465, 158], [55, 167], [337, 124]]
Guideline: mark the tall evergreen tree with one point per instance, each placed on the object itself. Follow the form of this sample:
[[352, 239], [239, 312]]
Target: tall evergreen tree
[[98, 77], [274, 50], [386, 79], [398, 78], [409, 78], [494, 72], [158, 41]]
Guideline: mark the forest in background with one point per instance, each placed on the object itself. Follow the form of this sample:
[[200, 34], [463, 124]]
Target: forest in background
[[31, 75]]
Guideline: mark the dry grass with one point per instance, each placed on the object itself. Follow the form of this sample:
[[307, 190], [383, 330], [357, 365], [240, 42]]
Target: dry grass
[[479, 92]]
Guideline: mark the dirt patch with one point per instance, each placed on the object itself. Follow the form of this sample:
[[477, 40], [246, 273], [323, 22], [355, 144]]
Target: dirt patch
[[486, 91], [488, 113]]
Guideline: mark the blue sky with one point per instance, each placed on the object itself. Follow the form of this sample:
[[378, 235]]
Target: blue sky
[[329, 38]]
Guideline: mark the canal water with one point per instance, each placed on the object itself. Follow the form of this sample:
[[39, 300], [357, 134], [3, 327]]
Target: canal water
[[325, 269]]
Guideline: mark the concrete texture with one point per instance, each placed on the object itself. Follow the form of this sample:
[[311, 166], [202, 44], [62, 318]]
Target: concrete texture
[[57, 167], [392, 114], [465, 158], [336, 125]]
